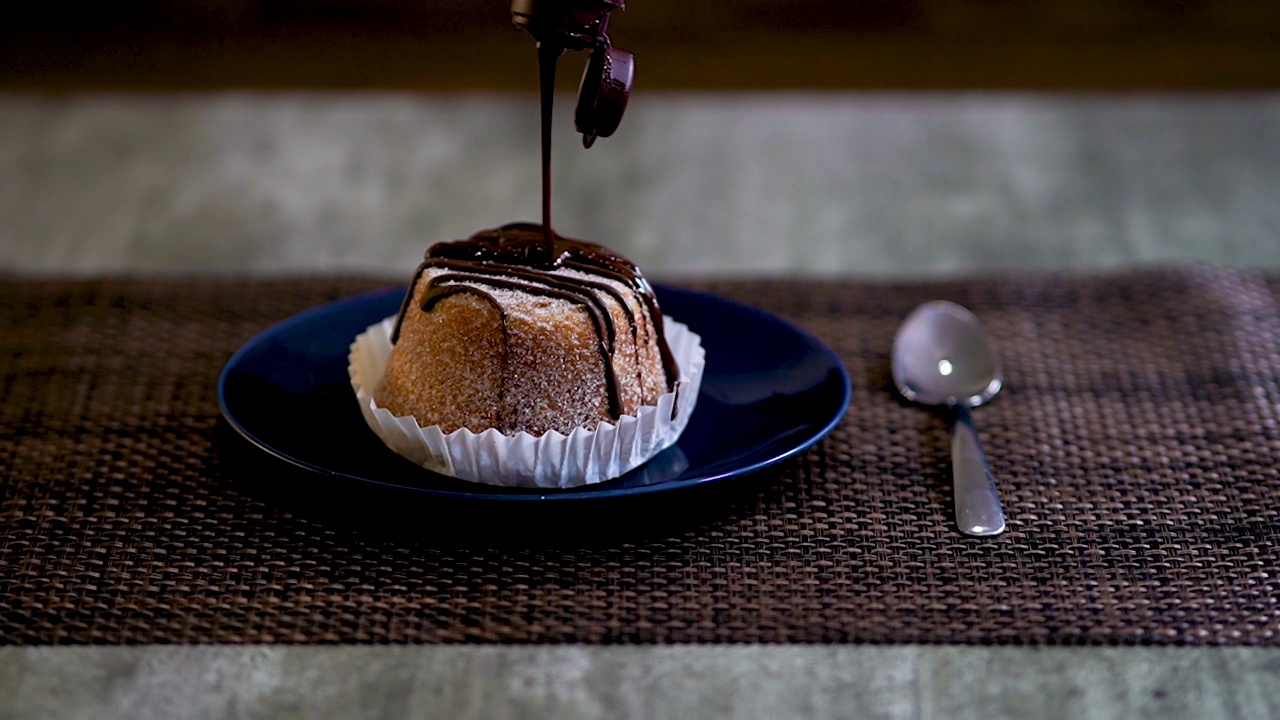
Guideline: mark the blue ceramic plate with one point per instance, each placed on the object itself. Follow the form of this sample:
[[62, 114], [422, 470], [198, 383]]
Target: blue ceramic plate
[[769, 391]]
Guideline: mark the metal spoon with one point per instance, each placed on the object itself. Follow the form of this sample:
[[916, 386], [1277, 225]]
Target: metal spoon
[[942, 356]]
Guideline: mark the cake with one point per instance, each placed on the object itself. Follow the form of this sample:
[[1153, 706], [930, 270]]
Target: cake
[[519, 330]]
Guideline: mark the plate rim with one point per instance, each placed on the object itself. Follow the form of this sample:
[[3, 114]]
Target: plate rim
[[594, 492]]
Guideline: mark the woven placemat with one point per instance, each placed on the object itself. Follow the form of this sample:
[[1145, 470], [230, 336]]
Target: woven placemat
[[1136, 444]]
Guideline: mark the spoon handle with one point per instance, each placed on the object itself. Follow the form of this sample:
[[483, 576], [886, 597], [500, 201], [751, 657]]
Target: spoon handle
[[978, 510]]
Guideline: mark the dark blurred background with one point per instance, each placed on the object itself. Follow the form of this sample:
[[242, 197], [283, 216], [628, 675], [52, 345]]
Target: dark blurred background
[[65, 45]]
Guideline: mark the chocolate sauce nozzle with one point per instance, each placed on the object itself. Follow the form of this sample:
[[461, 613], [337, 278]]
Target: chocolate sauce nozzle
[[581, 25], [569, 24]]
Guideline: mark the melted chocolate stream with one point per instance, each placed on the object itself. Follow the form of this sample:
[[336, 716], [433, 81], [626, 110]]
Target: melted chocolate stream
[[514, 257], [547, 55]]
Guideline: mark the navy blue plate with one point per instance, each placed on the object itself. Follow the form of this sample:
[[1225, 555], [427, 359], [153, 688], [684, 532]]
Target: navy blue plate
[[769, 391]]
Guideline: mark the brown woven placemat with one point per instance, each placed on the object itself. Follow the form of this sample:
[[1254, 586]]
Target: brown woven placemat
[[1137, 447]]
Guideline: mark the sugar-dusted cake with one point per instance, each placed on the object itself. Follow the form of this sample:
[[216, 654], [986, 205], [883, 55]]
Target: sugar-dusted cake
[[519, 330]]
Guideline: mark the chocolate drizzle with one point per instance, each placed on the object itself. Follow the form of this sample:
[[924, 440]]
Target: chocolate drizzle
[[516, 257]]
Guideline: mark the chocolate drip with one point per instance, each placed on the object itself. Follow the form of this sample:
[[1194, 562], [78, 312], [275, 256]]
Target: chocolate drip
[[516, 257], [443, 284], [644, 291], [532, 278]]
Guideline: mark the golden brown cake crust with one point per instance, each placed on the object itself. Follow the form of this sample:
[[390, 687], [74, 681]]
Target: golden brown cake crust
[[480, 349]]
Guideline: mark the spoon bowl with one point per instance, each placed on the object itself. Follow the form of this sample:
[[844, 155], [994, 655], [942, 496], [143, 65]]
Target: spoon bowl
[[943, 357]]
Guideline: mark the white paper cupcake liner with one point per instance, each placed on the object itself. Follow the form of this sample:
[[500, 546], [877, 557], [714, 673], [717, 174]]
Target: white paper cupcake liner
[[552, 460]]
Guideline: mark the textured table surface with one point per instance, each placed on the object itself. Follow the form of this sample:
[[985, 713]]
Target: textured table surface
[[852, 185], [1136, 445]]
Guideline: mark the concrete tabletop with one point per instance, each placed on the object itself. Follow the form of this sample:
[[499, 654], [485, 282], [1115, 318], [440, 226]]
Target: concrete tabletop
[[849, 184]]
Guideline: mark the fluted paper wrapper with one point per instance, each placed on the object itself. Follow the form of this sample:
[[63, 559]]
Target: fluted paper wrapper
[[552, 460]]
